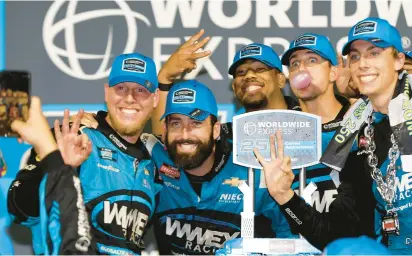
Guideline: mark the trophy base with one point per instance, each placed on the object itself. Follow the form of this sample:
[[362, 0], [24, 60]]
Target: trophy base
[[268, 246]]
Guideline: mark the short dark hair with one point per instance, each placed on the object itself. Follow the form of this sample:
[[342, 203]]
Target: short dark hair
[[213, 120]]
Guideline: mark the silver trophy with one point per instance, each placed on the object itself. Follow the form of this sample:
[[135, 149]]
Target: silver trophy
[[301, 134]]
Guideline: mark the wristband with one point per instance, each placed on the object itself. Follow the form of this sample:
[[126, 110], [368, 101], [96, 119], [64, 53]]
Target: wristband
[[165, 87]]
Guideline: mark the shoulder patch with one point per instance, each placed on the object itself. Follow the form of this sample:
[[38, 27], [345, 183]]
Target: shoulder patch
[[149, 140]]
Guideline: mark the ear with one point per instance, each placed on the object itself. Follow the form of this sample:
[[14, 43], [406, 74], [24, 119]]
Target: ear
[[216, 130], [333, 74], [106, 92], [399, 61], [156, 98], [281, 79]]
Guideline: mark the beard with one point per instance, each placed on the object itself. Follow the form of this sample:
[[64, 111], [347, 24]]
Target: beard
[[126, 130], [190, 161], [256, 102]]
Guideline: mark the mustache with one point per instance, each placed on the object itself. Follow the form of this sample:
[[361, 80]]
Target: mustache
[[186, 141]]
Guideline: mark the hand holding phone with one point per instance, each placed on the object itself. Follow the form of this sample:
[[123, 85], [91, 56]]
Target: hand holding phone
[[14, 99]]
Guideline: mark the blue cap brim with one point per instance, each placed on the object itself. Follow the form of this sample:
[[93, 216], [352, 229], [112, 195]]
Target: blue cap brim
[[234, 65], [381, 44], [286, 55], [132, 79], [199, 115]]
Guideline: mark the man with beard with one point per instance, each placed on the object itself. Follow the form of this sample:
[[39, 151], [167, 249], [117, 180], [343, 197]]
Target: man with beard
[[118, 177], [200, 205]]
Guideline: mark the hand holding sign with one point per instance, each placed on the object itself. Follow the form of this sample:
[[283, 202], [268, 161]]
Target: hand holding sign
[[278, 171]]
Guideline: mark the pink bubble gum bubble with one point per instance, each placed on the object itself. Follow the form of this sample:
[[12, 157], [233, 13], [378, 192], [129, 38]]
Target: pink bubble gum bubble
[[300, 80]]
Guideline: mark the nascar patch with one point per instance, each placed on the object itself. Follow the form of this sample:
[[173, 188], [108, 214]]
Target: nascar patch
[[251, 50], [305, 40], [170, 171], [184, 95], [108, 154], [365, 27], [134, 65]]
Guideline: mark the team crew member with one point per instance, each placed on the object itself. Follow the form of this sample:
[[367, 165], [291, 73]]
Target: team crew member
[[381, 121], [199, 207], [257, 78], [61, 190], [313, 70], [190, 188], [118, 177]]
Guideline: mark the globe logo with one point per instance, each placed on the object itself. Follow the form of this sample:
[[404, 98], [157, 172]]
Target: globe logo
[[52, 28], [249, 128]]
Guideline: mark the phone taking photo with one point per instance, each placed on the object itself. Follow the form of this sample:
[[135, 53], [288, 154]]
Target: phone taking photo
[[15, 87]]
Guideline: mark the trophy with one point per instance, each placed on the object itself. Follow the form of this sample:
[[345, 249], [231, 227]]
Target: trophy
[[301, 133]]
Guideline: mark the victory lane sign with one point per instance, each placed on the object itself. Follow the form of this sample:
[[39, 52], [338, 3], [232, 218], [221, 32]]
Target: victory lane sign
[[301, 133]]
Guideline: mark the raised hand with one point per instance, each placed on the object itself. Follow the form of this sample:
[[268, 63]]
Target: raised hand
[[88, 120], [36, 130], [278, 171], [344, 83], [184, 58], [74, 148]]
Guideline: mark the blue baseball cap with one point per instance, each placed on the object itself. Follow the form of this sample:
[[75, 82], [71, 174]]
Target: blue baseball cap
[[408, 54], [362, 245], [319, 44], [135, 68], [376, 31], [260, 52], [192, 99]]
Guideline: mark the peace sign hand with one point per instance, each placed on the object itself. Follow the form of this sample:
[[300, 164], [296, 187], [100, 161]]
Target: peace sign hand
[[184, 58], [278, 171], [344, 83]]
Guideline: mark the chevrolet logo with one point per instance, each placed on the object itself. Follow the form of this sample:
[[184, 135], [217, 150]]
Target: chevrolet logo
[[233, 182]]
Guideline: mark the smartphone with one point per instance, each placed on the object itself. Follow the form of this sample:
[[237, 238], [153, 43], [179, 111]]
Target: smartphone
[[15, 87]]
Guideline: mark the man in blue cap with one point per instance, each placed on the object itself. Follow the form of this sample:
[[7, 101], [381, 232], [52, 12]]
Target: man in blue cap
[[312, 72], [117, 178], [199, 207], [379, 122], [258, 79], [376, 59]]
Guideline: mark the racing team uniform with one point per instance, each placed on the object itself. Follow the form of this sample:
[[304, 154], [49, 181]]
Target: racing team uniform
[[352, 211], [326, 181], [197, 215], [358, 207], [118, 182], [62, 210]]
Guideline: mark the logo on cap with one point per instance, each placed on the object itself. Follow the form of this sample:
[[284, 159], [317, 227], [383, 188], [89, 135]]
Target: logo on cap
[[196, 112], [365, 27], [184, 96], [251, 50], [134, 65], [305, 40]]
